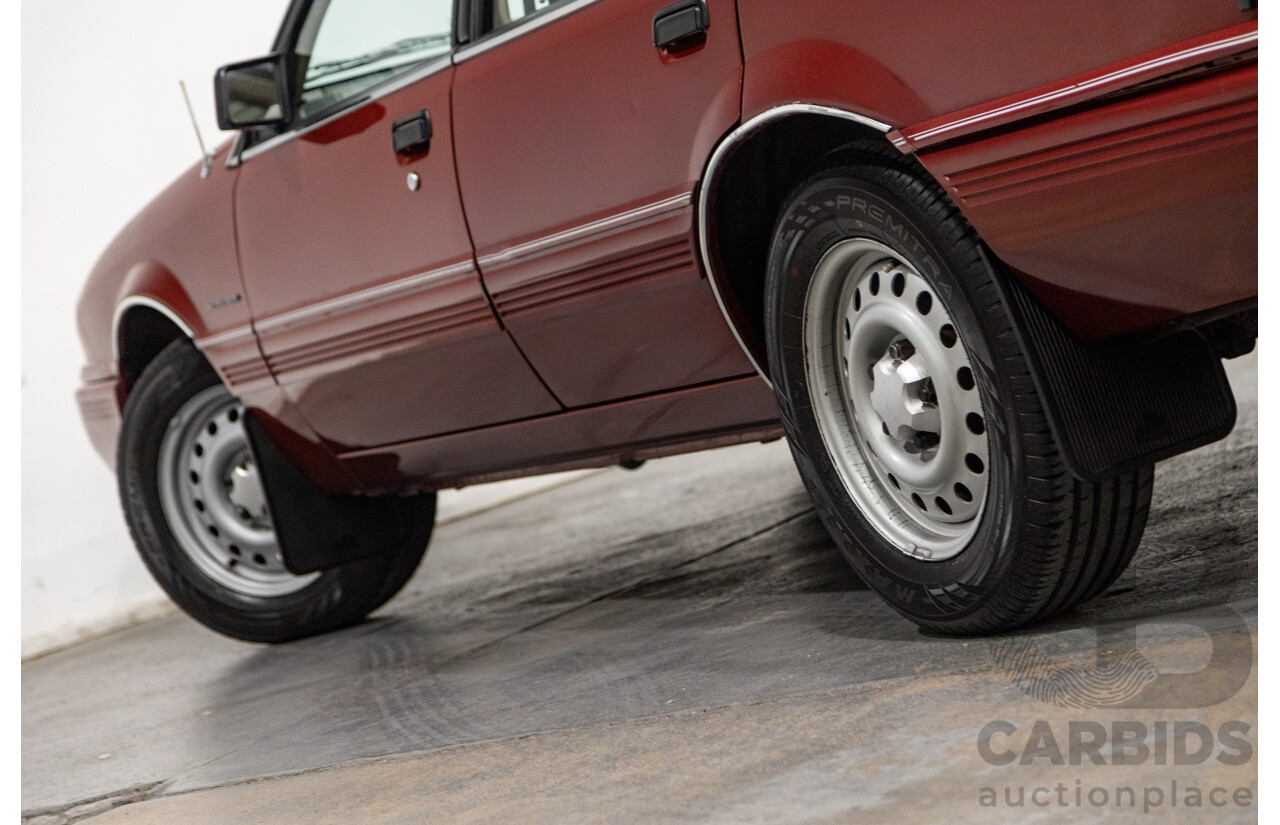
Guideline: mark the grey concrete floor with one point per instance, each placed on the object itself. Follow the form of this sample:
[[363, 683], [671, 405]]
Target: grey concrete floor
[[678, 643]]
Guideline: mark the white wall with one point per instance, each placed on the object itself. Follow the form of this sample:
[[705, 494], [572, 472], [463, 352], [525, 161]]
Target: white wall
[[103, 130]]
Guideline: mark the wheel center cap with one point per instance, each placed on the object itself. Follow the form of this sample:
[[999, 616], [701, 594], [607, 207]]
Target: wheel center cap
[[245, 491], [901, 394]]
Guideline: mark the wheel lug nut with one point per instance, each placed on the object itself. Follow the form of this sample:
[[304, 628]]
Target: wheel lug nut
[[926, 440], [901, 350], [927, 393]]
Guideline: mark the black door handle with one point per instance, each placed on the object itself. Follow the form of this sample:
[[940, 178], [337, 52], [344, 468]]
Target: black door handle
[[411, 134], [678, 23]]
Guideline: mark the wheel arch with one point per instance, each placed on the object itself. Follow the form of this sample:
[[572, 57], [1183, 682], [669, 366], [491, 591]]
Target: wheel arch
[[152, 309], [759, 163], [141, 329]]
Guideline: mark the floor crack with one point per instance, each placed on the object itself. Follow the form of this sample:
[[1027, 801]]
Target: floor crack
[[80, 809]]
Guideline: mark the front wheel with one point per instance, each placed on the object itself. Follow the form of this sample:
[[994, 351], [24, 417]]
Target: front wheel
[[912, 415], [195, 505]]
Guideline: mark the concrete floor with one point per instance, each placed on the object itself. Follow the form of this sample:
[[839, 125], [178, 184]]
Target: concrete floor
[[681, 643]]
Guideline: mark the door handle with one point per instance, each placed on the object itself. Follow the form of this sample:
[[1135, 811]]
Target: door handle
[[411, 134], [680, 22]]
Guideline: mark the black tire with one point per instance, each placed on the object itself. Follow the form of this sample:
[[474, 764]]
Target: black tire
[[331, 599], [1043, 541]]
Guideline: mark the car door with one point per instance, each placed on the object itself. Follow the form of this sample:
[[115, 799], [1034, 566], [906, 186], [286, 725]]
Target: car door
[[579, 146], [357, 264]]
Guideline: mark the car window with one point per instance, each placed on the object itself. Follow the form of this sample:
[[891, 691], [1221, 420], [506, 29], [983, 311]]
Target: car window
[[348, 46], [505, 12]]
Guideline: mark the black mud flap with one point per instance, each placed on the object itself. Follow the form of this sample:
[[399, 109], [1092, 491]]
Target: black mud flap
[[1119, 405], [318, 531]]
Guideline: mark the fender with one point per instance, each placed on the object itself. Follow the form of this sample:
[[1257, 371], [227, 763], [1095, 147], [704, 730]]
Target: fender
[[1049, 152], [151, 285], [233, 351], [1123, 197], [179, 252]]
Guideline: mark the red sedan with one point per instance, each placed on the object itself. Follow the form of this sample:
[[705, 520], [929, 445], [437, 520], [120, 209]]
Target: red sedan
[[978, 263]]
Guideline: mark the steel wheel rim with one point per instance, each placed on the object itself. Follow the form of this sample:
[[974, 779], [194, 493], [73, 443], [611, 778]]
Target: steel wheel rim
[[213, 501], [903, 423]]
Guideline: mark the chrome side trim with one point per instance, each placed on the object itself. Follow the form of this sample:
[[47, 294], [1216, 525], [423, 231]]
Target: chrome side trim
[[649, 211], [709, 178], [142, 301], [1101, 80], [363, 298], [520, 29], [231, 336], [390, 86]]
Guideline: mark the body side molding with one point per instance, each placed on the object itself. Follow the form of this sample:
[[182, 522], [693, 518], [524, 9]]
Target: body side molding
[[1079, 89], [603, 226]]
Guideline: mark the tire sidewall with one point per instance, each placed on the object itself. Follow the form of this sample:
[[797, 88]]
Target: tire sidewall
[[833, 207]]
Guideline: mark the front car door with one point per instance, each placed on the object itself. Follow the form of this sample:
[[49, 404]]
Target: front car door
[[357, 264], [579, 146]]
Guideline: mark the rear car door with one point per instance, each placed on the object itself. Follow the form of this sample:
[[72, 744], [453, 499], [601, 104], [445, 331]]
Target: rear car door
[[579, 145], [357, 264]]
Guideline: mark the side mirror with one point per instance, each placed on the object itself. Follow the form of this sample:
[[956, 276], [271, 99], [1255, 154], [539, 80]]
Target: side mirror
[[253, 93]]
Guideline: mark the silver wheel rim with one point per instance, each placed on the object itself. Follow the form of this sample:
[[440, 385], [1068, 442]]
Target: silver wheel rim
[[212, 497], [895, 399]]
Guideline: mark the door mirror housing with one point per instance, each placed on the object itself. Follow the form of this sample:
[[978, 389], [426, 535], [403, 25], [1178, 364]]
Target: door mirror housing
[[254, 93]]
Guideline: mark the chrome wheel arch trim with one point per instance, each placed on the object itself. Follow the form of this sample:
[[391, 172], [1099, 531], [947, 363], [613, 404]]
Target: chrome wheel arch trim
[[710, 175], [142, 301]]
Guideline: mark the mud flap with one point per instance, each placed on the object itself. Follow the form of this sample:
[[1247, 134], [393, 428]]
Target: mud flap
[[1118, 405], [318, 531]]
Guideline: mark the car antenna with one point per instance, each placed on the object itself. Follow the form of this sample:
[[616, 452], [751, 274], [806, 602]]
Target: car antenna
[[208, 157]]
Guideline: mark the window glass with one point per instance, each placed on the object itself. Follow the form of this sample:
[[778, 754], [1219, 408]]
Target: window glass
[[505, 12], [347, 46]]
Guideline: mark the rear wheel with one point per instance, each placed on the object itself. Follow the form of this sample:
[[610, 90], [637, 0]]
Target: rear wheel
[[912, 415], [196, 508]]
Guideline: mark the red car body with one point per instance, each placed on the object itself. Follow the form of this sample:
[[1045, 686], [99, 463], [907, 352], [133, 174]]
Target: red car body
[[560, 289]]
